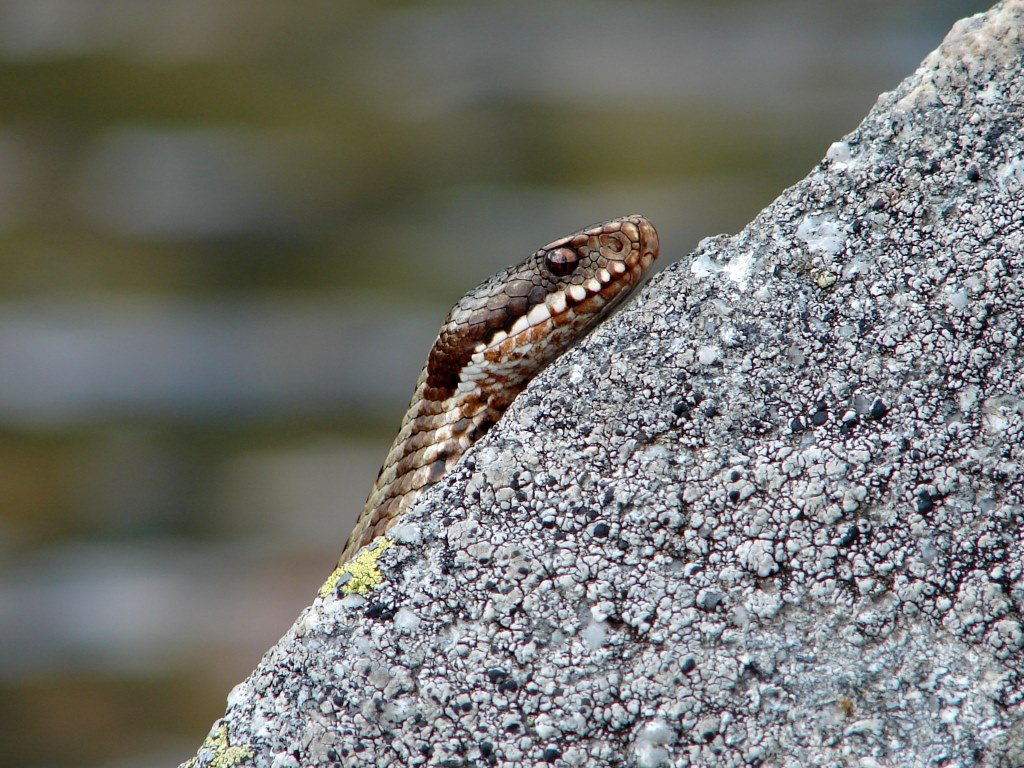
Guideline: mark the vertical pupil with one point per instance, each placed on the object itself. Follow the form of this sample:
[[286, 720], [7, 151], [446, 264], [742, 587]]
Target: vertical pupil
[[561, 261]]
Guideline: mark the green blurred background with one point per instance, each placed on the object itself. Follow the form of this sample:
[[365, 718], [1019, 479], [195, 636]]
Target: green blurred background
[[228, 233]]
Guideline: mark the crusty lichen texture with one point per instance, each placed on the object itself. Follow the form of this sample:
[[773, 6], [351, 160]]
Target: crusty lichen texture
[[772, 514]]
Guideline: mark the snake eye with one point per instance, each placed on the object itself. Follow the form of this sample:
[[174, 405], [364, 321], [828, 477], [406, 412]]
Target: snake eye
[[561, 261]]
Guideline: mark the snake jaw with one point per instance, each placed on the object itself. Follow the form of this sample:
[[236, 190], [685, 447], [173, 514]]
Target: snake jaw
[[492, 343]]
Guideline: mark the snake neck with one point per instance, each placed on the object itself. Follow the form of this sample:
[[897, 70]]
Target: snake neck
[[433, 436]]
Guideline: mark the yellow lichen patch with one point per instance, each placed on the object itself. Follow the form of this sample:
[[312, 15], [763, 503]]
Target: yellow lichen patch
[[224, 755], [825, 279], [363, 570]]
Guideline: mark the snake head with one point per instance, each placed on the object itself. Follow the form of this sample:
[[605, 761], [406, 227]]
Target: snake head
[[504, 331]]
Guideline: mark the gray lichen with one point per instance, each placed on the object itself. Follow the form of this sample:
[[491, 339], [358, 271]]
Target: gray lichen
[[770, 514]]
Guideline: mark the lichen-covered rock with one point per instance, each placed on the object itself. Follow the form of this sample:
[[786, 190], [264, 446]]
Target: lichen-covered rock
[[770, 514]]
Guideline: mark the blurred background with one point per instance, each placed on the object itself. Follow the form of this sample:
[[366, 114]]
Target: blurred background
[[228, 233]]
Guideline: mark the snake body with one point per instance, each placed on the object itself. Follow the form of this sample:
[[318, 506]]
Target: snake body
[[498, 337]]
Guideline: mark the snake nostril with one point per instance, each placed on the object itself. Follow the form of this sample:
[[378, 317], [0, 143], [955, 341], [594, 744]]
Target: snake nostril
[[561, 261]]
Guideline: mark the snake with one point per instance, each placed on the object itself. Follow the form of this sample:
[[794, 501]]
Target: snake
[[497, 338]]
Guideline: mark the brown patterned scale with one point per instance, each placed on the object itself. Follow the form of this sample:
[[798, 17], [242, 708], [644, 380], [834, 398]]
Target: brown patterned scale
[[498, 337]]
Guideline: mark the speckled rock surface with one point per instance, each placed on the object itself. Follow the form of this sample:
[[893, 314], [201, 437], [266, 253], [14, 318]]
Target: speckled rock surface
[[772, 514]]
